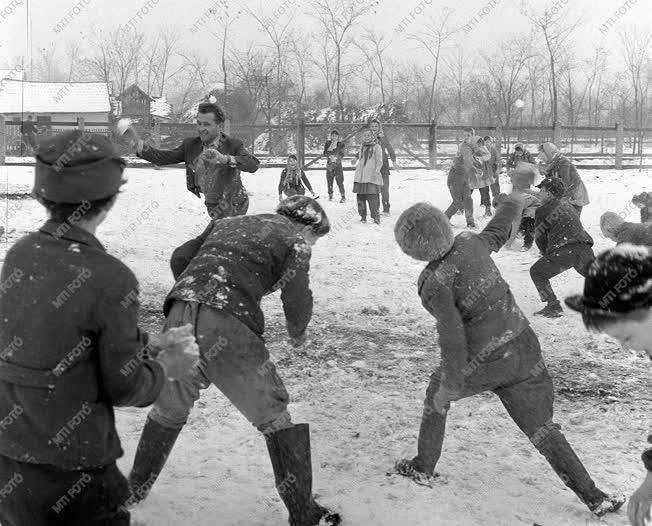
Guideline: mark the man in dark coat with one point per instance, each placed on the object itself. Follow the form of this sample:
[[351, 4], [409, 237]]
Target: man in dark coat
[[213, 163], [334, 152], [388, 153], [617, 301], [562, 240], [221, 277], [71, 348], [486, 344]]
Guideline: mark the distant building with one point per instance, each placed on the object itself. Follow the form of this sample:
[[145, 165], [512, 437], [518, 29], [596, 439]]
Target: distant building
[[134, 103]]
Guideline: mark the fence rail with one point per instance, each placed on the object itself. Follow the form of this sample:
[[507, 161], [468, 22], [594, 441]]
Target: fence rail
[[422, 144]]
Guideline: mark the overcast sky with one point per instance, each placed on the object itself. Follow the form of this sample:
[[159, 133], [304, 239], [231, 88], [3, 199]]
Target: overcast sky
[[494, 21]]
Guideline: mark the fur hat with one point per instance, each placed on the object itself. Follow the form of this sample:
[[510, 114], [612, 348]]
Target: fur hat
[[307, 211], [554, 185], [424, 232], [610, 222], [73, 167]]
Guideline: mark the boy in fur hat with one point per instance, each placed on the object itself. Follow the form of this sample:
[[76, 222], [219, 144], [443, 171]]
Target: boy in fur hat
[[486, 344], [617, 229], [71, 348], [617, 301], [562, 240]]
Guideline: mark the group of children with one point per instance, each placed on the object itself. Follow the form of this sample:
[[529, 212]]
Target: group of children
[[371, 178]]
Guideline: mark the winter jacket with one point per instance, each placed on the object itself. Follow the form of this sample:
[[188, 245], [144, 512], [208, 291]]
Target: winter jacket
[[475, 310], [284, 184], [387, 150], [556, 225], [238, 260], [71, 350], [492, 167], [188, 152], [337, 152], [516, 157], [369, 172], [634, 233], [560, 166]]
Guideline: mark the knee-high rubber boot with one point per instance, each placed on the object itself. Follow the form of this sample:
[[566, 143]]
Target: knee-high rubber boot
[[289, 451], [153, 450], [571, 471]]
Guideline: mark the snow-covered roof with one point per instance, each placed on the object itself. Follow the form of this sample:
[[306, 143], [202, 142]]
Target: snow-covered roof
[[18, 96], [14, 74], [160, 107]]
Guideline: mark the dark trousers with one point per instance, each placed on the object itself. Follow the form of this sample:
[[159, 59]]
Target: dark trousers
[[485, 199], [461, 194], [495, 188], [374, 206], [527, 227], [41, 495], [384, 192], [516, 373], [574, 255], [338, 176]]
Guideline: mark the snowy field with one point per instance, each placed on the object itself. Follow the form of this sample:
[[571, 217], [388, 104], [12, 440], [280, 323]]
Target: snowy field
[[360, 380]]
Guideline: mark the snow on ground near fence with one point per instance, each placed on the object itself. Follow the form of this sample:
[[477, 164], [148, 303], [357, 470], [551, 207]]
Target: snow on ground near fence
[[360, 381]]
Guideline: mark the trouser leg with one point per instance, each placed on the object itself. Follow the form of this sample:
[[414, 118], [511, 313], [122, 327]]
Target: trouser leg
[[362, 206], [485, 199], [527, 226], [467, 202], [374, 206], [384, 191], [530, 404], [339, 179], [457, 196], [495, 188], [330, 175]]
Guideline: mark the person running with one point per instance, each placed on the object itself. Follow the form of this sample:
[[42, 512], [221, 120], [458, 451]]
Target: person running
[[486, 344]]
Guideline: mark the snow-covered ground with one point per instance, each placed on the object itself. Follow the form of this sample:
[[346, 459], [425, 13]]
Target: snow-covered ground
[[361, 379]]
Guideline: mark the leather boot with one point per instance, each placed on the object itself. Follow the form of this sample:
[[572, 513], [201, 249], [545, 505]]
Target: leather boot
[[289, 451], [154, 446]]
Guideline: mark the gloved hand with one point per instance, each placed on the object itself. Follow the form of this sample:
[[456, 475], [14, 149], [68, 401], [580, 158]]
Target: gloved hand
[[179, 351], [638, 509]]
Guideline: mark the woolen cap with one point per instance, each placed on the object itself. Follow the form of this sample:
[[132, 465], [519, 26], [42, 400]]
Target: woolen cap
[[424, 232], [72, 167], [554, 185], [618, 281]]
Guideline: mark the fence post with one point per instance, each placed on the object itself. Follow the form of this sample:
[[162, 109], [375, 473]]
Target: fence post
[[619, 146], [301, 140], [432, 144], [3, 140], [81, 125]]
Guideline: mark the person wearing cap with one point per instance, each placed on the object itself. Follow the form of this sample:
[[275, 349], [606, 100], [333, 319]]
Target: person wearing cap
[[213, 163], [558, 165], [617, 301], [70, 348], [486, 343], [221, 277], [520, 154], [617, 229], [562, 240], [463, 176]]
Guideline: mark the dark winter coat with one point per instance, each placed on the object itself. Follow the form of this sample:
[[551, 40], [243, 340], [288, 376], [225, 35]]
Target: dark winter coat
[[71, 350], [190, 149], [634, 233], [556, 225], [338, 152], [475, 310], [387, 150], [297, 186], [516, 157], [563, 168], [238, 260]]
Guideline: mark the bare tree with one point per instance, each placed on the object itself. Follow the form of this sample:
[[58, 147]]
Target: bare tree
[[556, 27], [338, 18], [73, 55], [373, 46], [459, 67], [46, 65], [301, 54], [325, 62], [432, 40], [169, 39]]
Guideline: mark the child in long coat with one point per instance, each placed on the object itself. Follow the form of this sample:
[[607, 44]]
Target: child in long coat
[[486, 344], [558, 165], [368, 179], [293, 180]]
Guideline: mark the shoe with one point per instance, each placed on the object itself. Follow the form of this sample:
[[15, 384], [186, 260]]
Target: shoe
[[377, 221], [363, 220], [551, 310], [156, 443], [343, 200], [406, 468], [487, 211], [289, 451], [610, 504], [330, 197]]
